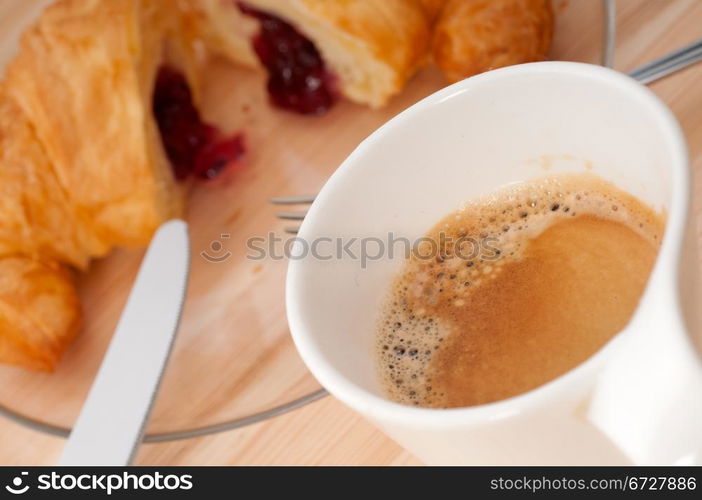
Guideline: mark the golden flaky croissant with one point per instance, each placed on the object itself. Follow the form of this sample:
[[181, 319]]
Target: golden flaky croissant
[[364, 49], [472, 36], [97, 124], [368, 49]]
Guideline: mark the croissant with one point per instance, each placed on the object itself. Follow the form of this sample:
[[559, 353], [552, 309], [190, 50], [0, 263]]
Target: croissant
[[368, 49], [472, 36], [313, 49], [39, 312], [98, 126]]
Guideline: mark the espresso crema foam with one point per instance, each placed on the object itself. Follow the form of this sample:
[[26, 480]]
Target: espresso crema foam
[[520, 287]]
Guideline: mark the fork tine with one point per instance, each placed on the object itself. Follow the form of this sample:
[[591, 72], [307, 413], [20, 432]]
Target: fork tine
[[293, 200], [291, 215]]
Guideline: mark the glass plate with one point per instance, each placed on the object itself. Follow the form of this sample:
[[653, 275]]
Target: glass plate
[[233, 363]]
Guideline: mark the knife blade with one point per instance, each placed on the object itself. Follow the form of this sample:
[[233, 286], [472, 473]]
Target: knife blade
[[112, 421]]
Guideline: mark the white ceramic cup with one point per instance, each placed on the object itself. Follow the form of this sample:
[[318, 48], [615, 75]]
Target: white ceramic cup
[[637, 400]]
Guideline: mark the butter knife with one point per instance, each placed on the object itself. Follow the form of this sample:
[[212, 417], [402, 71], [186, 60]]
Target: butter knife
[[111, 423]]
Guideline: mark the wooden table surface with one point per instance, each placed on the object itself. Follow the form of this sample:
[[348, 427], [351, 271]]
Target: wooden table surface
[[233, 355]]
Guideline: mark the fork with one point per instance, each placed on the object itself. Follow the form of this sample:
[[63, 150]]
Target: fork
[[293, 215], [648, 73]]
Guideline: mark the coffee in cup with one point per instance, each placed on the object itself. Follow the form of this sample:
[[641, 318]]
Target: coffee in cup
[[515, 289]]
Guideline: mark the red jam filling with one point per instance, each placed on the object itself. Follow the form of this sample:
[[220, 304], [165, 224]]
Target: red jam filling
[[298, 79], [193, 147]]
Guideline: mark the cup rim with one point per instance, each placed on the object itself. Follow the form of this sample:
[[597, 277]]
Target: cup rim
[[377, 407]]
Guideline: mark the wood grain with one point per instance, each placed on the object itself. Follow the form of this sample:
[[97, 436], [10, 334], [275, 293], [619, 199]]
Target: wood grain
[[234, 355]]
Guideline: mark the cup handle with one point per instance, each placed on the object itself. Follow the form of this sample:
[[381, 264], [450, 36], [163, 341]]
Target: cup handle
[[648, 398]]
